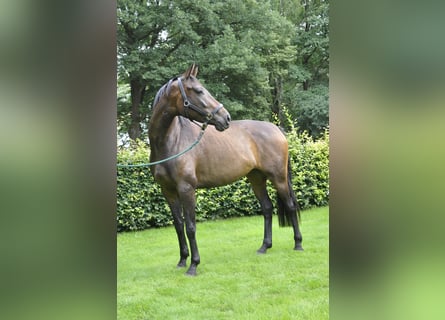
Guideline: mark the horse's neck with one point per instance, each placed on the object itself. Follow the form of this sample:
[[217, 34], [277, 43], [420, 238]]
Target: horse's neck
[[167, 133], [160, 123]]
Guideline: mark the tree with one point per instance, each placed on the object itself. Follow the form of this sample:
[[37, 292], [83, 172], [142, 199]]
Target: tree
[[313, 40], [149, 34], [306, 92], [254, 56]]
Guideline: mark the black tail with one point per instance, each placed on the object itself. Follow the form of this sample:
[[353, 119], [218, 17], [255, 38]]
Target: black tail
[[285, 216]]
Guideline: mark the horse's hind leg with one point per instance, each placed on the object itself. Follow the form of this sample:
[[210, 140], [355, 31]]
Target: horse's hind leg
[[176, 209], [290, 206], [258, 182]]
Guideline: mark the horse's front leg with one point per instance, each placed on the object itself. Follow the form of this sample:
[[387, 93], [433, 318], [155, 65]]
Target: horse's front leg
[[188, 200], [176, 209]]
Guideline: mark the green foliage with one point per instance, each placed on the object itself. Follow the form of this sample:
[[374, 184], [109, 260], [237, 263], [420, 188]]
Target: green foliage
[[140, 204], [306, 86], [310, 169], [311, 109], [312, 40], [234, 200], [310, 165]]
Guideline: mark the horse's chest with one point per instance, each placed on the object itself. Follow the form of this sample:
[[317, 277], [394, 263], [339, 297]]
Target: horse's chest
[[161, 175], [170, 176]]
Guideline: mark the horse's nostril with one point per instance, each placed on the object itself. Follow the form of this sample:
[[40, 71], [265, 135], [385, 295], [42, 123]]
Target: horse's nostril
[[228, 118]]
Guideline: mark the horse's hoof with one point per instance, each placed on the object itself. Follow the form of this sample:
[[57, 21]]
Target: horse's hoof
[[181, 264], [264, 248], [299, 248], [191, 272], [261, 250]]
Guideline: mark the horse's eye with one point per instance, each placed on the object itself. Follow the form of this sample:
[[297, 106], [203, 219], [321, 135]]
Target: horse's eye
[[198, 90]]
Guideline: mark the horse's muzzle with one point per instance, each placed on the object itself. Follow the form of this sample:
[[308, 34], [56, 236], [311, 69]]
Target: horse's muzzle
[[221, 120]]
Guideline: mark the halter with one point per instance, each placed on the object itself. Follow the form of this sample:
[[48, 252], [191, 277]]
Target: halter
[[188, 105]]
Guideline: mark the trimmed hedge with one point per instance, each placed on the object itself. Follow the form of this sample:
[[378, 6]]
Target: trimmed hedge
[[140, 204]]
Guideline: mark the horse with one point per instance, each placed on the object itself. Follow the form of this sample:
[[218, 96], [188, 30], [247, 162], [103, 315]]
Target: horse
[[228, 151]]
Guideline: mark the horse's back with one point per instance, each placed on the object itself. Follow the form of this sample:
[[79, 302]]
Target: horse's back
[[245, 146], [260, 131], [254, 138]]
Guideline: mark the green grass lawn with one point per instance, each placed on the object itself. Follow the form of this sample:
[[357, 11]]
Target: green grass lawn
[[233, 281]]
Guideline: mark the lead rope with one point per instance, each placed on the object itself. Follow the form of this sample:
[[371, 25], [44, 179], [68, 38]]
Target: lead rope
[[201, 133]]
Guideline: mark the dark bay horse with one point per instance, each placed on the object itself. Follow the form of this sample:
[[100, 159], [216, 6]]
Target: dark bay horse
[[227, 151]]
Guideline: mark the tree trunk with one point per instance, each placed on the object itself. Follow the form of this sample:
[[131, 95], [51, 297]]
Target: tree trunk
[[277, 93], [137, 94]]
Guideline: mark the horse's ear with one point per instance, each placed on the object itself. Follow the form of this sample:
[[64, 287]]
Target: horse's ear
[[192, 71]]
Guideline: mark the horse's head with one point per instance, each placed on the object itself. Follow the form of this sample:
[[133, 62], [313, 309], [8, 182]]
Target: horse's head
[[196, 103]]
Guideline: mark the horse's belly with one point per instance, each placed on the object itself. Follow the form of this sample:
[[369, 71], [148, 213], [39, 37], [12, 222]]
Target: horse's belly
[[223, 172], [220, 181]]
